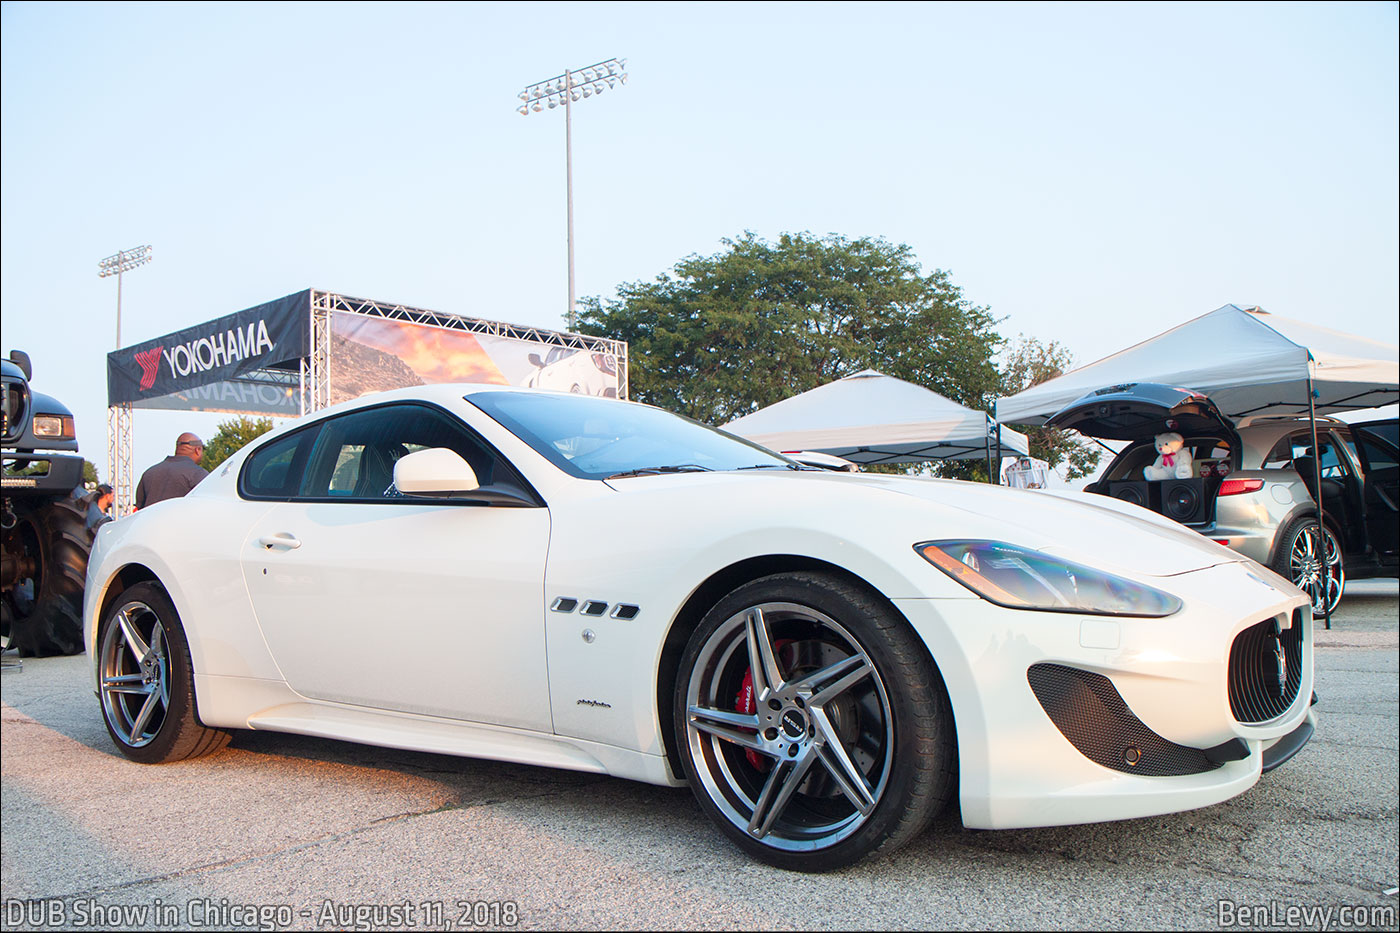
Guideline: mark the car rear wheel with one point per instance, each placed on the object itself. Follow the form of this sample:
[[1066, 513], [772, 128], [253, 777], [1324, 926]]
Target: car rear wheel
[[1300, 558], [146, 681], [813, 726]]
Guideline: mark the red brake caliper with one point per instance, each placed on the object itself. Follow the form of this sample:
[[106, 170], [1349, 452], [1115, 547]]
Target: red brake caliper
[[744, 703]]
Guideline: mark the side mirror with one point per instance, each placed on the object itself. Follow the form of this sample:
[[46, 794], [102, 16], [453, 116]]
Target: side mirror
[[436, 472], [535, 360], [439, 473], [21, 359]]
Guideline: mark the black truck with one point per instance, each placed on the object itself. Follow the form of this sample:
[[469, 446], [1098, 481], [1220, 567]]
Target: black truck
[[42, 525]]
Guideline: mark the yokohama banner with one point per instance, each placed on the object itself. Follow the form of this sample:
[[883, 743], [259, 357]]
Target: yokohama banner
[[216, 351]]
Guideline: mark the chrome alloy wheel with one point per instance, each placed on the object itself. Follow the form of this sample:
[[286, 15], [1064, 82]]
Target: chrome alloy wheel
[[135, 674], [789, 726], [1321, 579]]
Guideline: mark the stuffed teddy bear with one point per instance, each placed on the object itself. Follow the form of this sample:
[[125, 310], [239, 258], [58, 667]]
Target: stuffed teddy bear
[[1172, 461]]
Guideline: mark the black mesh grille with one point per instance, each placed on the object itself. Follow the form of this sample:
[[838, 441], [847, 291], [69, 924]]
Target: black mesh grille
[[1089, 711], [1256, 693]]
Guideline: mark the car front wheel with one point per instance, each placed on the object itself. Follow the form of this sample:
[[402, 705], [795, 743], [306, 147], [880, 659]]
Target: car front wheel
[[813, 726], [1312, 560], [146, 681]]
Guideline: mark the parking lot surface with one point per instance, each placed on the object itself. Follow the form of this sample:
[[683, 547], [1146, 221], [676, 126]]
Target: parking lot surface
[[287, 832]]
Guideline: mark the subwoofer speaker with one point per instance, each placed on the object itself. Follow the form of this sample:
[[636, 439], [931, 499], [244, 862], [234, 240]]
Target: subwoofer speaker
[[1184, 500], [1138, 492]]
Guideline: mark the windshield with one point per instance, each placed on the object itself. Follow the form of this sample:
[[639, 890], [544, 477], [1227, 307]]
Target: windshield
[[597, 438]]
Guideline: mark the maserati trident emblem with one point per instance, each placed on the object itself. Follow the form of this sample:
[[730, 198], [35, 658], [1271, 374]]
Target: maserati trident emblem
[[1280, 663]]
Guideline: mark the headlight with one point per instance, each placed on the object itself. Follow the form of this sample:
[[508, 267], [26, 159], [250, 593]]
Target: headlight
[[59, 427], [1019, 578]]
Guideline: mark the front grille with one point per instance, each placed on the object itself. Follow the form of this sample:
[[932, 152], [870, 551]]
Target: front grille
[[1257, 694], [1089, 711], [15, 403]]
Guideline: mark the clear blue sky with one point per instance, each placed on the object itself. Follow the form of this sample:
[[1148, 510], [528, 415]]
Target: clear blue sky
[[1092, 173]]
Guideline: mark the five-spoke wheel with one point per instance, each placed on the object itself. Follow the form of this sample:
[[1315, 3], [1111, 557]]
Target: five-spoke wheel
[[812, 723], [146, 682]]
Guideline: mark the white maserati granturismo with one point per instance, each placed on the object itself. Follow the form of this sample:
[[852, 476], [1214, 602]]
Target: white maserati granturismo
[[827, 659]]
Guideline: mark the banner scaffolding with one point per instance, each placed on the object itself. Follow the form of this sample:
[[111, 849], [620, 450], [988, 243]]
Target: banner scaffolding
[[311, 349]]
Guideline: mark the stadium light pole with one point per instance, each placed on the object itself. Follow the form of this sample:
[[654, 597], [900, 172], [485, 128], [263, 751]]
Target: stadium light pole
[[119, 468], [123, 261], [567, 89]]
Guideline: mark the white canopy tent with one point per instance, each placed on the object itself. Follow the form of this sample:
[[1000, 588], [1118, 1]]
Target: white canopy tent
[[1250, 362], [873, 418]]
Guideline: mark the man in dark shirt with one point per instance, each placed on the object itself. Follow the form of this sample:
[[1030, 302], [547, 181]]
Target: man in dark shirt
[[98, 504], [175, 475]]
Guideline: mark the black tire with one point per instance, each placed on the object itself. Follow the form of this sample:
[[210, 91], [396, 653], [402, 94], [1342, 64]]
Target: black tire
[[1297, 559], [149, 704], [851, 673], [43, 612]]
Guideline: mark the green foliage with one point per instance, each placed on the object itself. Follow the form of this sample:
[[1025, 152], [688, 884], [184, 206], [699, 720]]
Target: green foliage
[[724, 335], [89, 474], [1027, 362], [230, 438]]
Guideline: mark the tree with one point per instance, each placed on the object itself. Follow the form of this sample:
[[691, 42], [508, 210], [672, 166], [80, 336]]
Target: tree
[[89, 473], [724, 335], [1026, 362], [230, 438]]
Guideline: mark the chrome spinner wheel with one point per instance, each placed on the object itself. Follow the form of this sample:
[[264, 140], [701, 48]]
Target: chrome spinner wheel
[[1319, 574]]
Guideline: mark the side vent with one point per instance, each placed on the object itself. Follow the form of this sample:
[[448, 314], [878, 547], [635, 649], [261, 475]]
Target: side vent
[[625, 611], [1089, 712], [564, 604], [594, 607]]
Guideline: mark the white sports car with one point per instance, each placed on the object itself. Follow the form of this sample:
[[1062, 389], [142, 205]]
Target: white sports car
[[826, 658]]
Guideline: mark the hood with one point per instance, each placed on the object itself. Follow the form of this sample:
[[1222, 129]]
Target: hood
[[1140, 410], [1092, 530]]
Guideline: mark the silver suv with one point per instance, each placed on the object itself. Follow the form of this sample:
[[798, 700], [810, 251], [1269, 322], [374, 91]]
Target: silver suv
[[1253, 488]]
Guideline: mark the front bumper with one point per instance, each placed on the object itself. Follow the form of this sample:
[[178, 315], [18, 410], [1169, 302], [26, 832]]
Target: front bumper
[[61, 474], [1283, 749], [1018, 768]]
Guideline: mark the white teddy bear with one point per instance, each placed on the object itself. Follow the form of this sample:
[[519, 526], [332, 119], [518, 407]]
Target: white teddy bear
[[1172, 462]]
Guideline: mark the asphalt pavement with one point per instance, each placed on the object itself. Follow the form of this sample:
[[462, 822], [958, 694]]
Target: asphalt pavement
[[287, 832]]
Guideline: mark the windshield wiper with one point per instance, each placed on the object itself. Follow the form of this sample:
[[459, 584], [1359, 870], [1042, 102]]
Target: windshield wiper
[[651, 471], [773, 466]]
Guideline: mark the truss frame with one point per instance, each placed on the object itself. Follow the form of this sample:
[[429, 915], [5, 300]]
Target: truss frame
[[312, 376]]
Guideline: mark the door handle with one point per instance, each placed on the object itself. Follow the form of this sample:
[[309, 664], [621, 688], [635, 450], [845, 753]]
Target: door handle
[[282, 539]]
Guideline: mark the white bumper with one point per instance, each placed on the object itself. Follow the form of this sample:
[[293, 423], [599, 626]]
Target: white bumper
[[1018, 769]]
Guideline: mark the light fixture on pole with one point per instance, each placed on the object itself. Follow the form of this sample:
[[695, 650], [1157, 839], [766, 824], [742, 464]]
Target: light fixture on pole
[[119, 465], [124, 261], [567, 89]]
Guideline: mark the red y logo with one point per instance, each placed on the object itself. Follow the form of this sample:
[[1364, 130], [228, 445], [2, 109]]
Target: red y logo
[[149, 360]]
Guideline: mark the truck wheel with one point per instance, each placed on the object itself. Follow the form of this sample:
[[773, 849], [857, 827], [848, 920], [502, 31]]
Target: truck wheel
[[44, 609]]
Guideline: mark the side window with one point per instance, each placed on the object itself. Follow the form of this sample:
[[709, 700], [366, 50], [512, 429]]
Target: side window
[[355, 454], [1388, 431], [347, 470], [1378, 457], [1333, 463], [274, 470], [1281, 457]]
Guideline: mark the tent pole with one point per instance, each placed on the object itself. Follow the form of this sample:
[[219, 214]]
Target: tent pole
[[996, 419], [987, 449], [1317, 484]]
